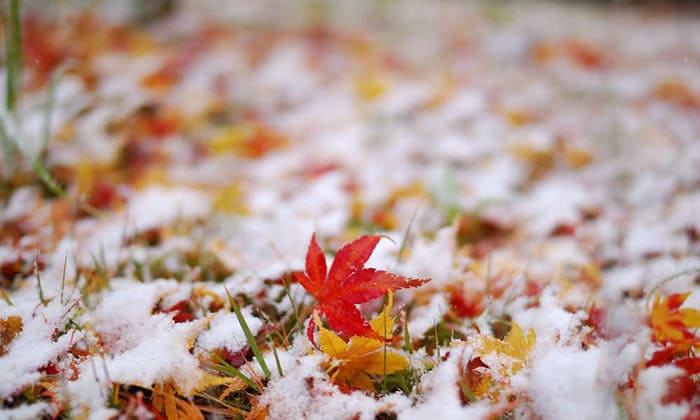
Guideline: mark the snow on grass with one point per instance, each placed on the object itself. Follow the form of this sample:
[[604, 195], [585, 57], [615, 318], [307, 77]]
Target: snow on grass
[[27, 411], [565, 382], [550, 321], [440, 396], [225, 332], [305, 392], [142, 347], [37, 344], [154, 207]]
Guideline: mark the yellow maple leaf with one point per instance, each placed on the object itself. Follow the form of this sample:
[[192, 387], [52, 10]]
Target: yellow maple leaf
[[515, 347], [670, 323], [353, 362]]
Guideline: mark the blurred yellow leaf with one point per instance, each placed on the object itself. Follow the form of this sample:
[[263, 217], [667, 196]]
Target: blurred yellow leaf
[[230, 200], [577, 158], [230, 140], [249, 141], [370, 86]]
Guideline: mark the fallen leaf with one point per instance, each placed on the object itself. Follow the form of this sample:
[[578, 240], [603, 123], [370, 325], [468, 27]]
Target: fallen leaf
[[671, 324], [354, 361], [346, 284], [10, 327], [166, 401], [512, 351]]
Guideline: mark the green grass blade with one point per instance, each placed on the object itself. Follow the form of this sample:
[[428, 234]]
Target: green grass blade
[[277, 359], [249, 336], [9, 152], [13, 55], [467, 392], [47, 179], [228, 369]]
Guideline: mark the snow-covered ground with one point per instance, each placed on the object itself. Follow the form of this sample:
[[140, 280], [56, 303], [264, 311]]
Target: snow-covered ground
[[539, 162]]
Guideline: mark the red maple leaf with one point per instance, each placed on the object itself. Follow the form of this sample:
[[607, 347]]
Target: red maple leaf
[[346, 284]]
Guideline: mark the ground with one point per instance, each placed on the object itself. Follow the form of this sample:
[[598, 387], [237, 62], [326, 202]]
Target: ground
[[371, 209]]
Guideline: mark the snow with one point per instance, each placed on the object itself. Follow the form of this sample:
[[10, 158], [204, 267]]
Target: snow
[[140, 347], [89, 393], [550, 321], [565, 383], [150, 358], [159, 206], [424, 318], [433, 258], [19, 202], [36, 345], [26, 411], [154, 207], [440, 396], [304, 392], [225, 332], [653, 387]]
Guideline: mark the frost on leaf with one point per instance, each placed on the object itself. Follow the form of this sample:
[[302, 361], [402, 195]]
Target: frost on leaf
[[511, 352], [497, 360]]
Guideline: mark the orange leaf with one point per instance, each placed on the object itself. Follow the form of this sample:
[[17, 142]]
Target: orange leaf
[[9, 328], [670, 323]]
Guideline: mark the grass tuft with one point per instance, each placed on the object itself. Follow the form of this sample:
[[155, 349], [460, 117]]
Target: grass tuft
[[228, 369]]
